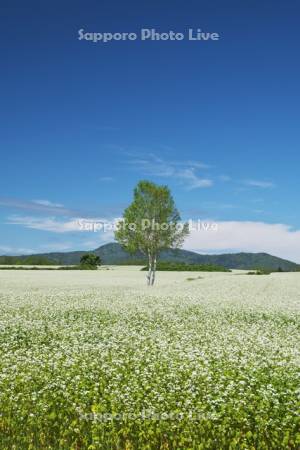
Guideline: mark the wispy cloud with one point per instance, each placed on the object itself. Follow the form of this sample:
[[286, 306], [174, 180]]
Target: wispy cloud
[[259, 184], [46, 207], [48, 203], [46, 223], [7, 250], [192, 180], [55, 247], [54, 225], [60, 246], [183, 171], [43, 206]]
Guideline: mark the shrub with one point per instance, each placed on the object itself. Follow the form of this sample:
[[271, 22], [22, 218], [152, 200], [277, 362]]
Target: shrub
[[90, 261], [259, 272], [182, 267]]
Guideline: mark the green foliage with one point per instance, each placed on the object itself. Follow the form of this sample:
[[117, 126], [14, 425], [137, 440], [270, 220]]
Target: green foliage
[[32, 260], [27, 268], [259, 272], [151, 224], [78, 267], [36, 260], [182, 267], [90, 260], [142, 227]]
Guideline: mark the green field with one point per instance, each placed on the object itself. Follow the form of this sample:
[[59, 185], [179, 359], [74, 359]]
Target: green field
[[96, 360]]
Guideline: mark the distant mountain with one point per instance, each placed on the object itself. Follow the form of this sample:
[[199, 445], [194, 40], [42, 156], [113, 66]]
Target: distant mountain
[[114, 254]]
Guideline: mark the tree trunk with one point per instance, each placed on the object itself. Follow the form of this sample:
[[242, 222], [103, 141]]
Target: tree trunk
[[149, 275], [153, 270]]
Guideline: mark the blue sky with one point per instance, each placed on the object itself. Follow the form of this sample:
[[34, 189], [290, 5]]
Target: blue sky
[[217, 121]]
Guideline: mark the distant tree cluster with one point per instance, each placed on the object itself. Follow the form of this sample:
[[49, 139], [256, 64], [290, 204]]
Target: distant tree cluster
[[89, 261], [182, 267], [32, 260]]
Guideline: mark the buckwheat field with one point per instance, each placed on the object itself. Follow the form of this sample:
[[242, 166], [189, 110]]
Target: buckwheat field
[[98, 360]]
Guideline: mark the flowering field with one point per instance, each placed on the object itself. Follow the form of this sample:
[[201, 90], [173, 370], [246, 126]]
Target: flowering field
[[96, 360]]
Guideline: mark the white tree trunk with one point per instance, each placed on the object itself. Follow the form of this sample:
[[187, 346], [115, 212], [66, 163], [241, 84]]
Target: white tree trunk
[[153, 271], [149, 275]]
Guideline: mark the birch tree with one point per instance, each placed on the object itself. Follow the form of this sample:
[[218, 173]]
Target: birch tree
[[150, 224]]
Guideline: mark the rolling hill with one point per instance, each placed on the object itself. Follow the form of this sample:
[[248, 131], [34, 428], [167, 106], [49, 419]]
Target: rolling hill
[[113, 253]]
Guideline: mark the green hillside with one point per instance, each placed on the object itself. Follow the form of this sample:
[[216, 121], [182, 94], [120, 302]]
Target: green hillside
[[114, 254]]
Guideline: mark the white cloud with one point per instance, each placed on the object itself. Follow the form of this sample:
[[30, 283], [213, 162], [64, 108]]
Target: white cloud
[[52, 224], [55, 247], [37, 205], [7, 250], [46, 223], [277, 239], [48, 203], [234, 236], [191, 180], [259, 184], [90, 244], [182, 171]]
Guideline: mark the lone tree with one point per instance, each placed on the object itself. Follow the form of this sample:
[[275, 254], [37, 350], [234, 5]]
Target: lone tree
[[90, 260], [150, 224]]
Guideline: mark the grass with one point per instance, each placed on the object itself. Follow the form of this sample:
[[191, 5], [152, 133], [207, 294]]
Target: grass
[[96, 360]]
